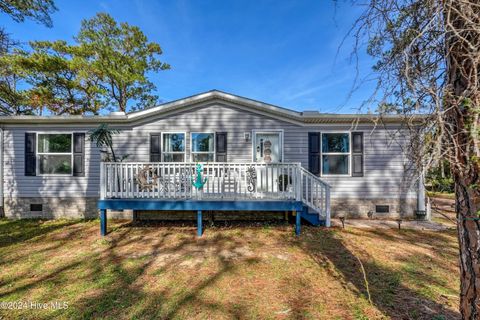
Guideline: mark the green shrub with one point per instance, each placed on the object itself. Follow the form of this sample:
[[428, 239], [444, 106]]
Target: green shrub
[[439, 179]]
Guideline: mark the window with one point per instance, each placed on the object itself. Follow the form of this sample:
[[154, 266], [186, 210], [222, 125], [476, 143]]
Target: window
[[203, 147], [268, 147], [335, 153], [54, 153], [173, 147]]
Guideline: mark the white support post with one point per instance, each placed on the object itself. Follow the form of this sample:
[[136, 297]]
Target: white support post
[[327, 206], [299, 185]]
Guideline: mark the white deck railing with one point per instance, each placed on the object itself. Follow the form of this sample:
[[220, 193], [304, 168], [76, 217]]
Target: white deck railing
[[169, 180], [224, 181]]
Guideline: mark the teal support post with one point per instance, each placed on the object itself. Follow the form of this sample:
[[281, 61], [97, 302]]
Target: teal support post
[[298, 222], [199, 223], [103, 222]]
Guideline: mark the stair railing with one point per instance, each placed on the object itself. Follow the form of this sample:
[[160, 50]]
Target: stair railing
[[315, 193]]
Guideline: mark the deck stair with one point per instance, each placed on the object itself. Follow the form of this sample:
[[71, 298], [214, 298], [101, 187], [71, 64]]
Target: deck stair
[[315, 195]]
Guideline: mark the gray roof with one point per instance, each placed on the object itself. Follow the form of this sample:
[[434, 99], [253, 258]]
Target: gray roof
[[306, 117]]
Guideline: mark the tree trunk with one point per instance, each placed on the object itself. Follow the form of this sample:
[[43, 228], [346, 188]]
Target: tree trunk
[[469, 241], [462, 102]]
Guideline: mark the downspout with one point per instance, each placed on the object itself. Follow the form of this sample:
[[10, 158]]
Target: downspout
[[421, 207], [422, 212]]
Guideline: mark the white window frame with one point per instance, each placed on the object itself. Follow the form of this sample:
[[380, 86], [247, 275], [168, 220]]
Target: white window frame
[[267, 131], [174, 152], [349, 153], [38, 154], [203, 152]]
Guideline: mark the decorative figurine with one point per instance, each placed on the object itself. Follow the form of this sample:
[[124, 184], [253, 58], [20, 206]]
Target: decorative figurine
[[198, 182]]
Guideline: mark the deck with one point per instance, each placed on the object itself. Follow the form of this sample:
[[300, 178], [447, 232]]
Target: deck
[[214, 187]]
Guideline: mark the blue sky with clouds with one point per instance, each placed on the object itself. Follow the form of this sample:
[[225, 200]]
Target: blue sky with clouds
[[280, 52]]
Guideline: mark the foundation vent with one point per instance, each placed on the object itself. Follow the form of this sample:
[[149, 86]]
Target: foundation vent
[[36, 207], [382, 209]]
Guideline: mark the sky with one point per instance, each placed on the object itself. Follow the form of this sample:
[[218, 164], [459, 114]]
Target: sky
[[284, 53]]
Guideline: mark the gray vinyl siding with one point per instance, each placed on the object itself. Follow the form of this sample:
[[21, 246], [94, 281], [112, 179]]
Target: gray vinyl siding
[[16, 184], [384, 161], [387, 171], [214, 118]]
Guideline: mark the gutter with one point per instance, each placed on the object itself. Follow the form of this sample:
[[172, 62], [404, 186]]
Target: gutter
[[128, 119]]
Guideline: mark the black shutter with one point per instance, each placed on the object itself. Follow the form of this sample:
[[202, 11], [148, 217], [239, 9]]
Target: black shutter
[[79, 154], [357, 154], [221, 147], [314, 152], [30, 154], [155, 147]]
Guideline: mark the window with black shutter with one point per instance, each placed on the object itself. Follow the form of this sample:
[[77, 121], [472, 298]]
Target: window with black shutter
[[221, 147], [54, 153], [79, 154], [357, 154], [314, 152], [30, 154], [155, 147]]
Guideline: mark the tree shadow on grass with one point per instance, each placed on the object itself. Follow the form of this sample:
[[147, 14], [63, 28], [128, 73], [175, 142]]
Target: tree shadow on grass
[[15, 231], [117, 276], [56, 242], [387, 292], [124, 287]]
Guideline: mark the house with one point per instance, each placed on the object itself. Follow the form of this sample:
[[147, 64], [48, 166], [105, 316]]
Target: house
[[251, 156]]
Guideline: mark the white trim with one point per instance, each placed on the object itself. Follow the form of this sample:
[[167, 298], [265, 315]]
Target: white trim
[[203, 152], [349, 153], [174, 152], [37, 154], [267, 131]]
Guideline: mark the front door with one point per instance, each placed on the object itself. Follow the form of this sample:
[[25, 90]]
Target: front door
[[268, 146]]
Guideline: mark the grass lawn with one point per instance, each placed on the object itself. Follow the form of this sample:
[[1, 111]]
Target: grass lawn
[[246, 272], [444, 195]]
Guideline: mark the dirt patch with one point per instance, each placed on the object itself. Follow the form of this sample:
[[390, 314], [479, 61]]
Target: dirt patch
[[443, 218], [389, 224]]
